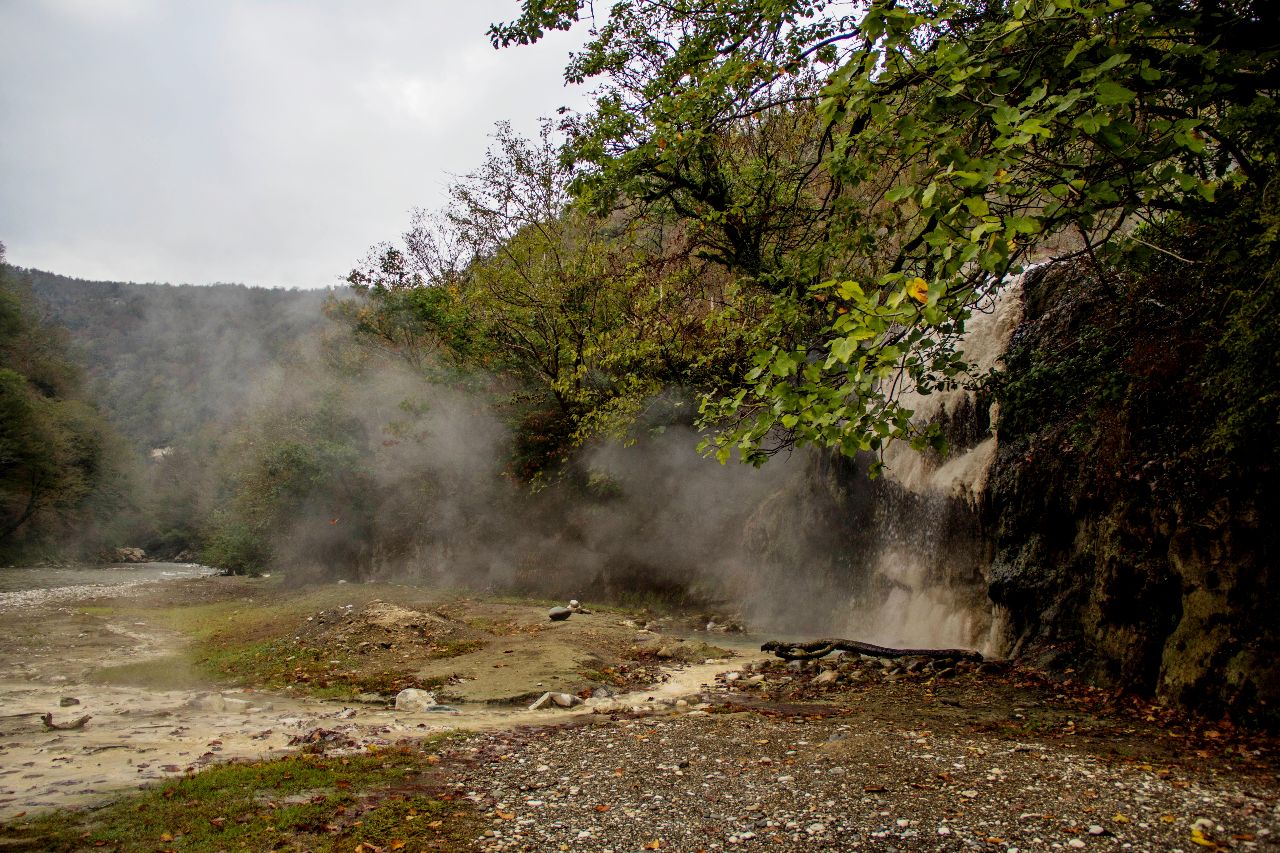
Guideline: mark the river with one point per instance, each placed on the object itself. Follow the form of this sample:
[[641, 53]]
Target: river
[[22, 586]]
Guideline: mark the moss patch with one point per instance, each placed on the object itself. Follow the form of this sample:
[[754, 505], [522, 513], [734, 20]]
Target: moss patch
[[171, 672]]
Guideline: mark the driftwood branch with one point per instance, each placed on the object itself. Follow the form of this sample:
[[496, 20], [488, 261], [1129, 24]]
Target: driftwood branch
[[49, 724], [821, 648]]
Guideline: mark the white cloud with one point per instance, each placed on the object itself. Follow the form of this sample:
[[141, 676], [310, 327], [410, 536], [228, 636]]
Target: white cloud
[[263, 142]]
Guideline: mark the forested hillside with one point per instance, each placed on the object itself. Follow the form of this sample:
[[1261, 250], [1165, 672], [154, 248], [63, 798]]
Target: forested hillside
[[165, 361]]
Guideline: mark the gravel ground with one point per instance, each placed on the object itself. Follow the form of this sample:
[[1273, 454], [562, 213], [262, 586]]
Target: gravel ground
[[785, 777]]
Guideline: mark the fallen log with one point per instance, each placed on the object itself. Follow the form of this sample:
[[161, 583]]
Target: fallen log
[[821, 648], [49, 724]]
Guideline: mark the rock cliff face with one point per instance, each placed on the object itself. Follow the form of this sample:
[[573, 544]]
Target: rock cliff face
[[1131, 538]]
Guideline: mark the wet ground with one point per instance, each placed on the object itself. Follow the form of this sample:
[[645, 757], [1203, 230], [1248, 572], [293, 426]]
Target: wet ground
[[116, 649]]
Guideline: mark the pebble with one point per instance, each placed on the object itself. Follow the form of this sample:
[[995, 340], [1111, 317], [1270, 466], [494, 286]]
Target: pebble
[[798, 784]]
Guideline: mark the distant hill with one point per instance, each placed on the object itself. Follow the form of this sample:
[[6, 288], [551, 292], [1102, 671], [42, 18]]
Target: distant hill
[[164, 361]]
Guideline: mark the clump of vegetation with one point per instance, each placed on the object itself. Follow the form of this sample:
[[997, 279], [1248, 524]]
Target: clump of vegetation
[[64, 476], [386, 798], [874, 177]]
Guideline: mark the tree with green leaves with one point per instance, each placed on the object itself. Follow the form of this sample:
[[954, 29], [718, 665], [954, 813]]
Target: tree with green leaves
[[59, 460], [569, 319], [938, 147]]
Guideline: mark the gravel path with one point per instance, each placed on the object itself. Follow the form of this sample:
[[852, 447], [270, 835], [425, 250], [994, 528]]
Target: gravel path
[[792, 780]]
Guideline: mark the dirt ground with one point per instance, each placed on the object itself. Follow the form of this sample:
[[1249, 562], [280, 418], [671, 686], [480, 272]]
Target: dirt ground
[[682, 746]]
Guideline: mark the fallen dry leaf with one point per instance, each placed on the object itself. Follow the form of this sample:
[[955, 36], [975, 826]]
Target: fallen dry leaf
[[1199, 838]]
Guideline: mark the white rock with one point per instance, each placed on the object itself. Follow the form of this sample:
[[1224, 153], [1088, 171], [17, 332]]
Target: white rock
[[413, 699], [208, 702], [830, 676], [563, 700]]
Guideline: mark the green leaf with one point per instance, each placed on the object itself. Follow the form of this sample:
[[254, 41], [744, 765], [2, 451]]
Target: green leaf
[[1109, 93]]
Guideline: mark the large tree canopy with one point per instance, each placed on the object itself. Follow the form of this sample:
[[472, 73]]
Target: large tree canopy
[[60, 462], [876, 170]]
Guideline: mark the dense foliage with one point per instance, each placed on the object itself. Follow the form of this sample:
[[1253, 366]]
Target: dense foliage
[[62, 470], [876, 170]]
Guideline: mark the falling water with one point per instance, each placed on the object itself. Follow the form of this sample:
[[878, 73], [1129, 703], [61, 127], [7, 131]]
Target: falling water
[[927, 585]]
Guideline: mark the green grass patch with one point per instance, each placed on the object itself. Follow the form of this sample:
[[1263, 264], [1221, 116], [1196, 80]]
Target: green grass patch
[[323, 672], [252, 643], [171, 672], [385, 798]]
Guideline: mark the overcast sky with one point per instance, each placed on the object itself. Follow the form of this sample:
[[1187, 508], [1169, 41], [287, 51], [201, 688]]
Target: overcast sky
[[267, 143]]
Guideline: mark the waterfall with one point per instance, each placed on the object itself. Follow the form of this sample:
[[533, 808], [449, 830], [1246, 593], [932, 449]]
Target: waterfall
[[928, 572]]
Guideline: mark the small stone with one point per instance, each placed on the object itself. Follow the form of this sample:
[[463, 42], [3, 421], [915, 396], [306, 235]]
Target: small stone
[[1075, 843], [1095, 829], [565, 700], [828, 677], [68, 701], [208, 702], [413, 699], [559, 614]]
